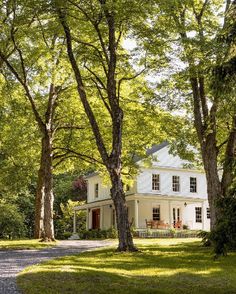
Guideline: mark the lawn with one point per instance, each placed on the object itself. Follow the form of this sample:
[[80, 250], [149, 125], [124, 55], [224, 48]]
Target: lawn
[[24, 244], [163, 266]]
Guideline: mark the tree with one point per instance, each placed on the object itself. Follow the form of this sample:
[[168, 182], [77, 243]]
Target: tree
[[191, 29], [32, 57], [106, 22]]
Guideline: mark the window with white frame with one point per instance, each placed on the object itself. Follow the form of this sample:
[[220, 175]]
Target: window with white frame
[[156, 213], [156, 182], [176, 183], [96, 190], [193, 185], [198, 214], [208, 213]]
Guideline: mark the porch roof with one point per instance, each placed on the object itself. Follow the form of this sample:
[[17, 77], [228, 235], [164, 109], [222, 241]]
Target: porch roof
[[152, 197]]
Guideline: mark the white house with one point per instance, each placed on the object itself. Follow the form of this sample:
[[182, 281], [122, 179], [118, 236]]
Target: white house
[[165, 195]]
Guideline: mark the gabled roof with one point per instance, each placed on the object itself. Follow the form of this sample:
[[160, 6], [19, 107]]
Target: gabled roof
[[156, 148], [152, 150]]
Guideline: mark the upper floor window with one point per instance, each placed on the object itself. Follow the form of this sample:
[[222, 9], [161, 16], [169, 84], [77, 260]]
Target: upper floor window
[[198, 214], [176, 183], [96, 190], [156, 182], [193, 185], [208, 213], [156, 213]]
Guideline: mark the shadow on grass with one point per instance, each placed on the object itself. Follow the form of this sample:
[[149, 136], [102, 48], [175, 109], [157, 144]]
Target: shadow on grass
[[97, 282], [182, 268]]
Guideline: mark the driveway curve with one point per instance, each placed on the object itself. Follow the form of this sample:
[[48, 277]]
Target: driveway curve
[[14, 261]]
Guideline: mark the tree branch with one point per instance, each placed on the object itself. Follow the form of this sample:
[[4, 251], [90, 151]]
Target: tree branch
[[81, 90]]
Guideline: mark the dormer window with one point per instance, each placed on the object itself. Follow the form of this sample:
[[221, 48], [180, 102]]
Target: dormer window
[[176, 183], [96, 190]]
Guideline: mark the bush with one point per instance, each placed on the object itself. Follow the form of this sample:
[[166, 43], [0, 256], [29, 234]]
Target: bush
[[66, 235], [99, 234], [11, 222], [223, 237]]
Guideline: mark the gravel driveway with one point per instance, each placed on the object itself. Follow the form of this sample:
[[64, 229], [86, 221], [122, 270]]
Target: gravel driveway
[[14, 261]]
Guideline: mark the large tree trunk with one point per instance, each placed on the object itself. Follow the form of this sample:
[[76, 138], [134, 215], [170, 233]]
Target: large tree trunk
[[209, 154], [205, 124], [39, 201], [44, 197], [48, 196], [123, 226]]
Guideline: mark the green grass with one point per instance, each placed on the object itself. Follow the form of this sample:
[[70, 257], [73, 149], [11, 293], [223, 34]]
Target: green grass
[[163, 266], [24, 244]]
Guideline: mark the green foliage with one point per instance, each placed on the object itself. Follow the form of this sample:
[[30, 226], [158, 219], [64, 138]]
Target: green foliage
[[25, 204], [11, 222], [100, 234], [64, 221], [223, 237]]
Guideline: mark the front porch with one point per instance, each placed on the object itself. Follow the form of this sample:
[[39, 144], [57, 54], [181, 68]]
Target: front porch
[[149, 212]]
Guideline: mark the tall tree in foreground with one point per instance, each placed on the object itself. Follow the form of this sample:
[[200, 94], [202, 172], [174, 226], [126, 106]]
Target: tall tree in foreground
[[97, 27], [191, 29], [32, 58]]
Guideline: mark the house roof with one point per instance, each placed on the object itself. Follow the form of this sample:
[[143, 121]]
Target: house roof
[[152, 150], [93, 174], [156, 148]]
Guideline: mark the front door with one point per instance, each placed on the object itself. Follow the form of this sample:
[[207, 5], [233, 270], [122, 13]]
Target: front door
[[96, 219], [176, 217]]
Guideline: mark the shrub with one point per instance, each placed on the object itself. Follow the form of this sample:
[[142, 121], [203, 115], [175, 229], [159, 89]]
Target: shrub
[[99, 234], [11, 222], [66, 235], [223, 237]]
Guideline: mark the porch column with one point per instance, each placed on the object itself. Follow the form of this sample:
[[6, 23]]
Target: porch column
[[136, 202], [169, 206], [101, 217], [87, 219], [203, 216], [74, 222]]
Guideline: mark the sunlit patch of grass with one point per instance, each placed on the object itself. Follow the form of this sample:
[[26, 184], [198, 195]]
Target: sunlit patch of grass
[[24, 244], [162, 266]]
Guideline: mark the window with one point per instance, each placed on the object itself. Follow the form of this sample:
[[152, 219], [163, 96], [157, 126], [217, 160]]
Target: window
[[208, 213], [193, 185], [96, 190], [175, 184], [156, 213], [156, 182], [198, 214]]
